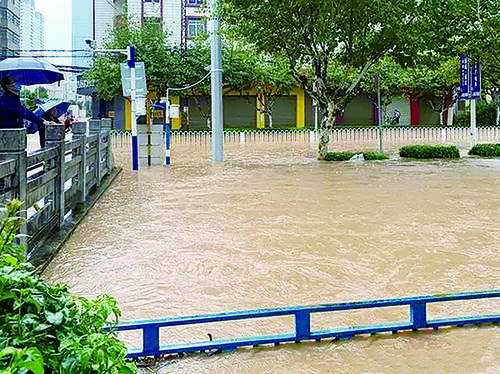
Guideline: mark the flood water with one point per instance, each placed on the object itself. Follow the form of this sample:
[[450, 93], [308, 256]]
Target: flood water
[[273, 227]]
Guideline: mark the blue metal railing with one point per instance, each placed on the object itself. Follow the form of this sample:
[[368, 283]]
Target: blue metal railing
[[418, 320]]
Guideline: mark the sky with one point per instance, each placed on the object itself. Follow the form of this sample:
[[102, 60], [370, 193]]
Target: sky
[[57, 14]]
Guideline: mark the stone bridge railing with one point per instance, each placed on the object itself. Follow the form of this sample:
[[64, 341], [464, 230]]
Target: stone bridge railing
[[55, 180]]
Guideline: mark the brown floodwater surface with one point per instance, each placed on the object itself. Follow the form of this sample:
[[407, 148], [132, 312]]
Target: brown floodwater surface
[[272, 226]]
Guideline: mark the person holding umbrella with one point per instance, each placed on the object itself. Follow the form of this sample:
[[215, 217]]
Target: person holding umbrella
[[12, 113], [50, 111], [26, 71]]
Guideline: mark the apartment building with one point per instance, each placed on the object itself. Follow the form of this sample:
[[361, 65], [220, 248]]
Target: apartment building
[[9, 28], [92, 19], [32, 27]]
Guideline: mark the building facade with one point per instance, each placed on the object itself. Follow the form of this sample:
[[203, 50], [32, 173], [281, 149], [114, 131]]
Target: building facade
[[92, 19], [32, 27], [9, 28]]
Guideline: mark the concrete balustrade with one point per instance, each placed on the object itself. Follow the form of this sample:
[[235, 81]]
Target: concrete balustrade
[[56, 180]]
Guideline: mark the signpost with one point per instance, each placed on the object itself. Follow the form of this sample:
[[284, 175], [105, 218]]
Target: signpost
[[470, 89], [131, 86]]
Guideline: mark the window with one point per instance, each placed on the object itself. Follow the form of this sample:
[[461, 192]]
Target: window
[[151, 1], [195, 26], [195, 2]]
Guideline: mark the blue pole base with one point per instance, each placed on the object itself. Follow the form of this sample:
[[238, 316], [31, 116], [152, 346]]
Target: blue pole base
[[135, 153]]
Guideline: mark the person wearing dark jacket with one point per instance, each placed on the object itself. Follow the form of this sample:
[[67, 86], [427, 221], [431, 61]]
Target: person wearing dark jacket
[[12, 113]]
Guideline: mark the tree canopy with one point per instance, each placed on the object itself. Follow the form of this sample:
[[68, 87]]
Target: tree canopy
[[331, 45]]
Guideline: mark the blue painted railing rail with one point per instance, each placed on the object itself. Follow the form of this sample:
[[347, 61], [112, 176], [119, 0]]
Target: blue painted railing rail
[[417, 320]]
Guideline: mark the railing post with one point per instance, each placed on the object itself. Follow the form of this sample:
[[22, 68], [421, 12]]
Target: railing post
[[13, 147], [151, 340], [107, 126], [54, 135], [302, 325], [80, 132], [418, 314], [95, 128]]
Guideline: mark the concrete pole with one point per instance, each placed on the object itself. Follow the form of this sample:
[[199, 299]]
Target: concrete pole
[[216, 86], [473, 130]]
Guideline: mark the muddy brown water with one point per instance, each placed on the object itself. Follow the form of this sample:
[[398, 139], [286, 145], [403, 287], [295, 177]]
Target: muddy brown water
[[274, 227]]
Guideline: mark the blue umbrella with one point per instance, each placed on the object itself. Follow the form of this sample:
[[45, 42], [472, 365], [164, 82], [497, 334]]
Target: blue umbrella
[[61, 106], [29, 70]]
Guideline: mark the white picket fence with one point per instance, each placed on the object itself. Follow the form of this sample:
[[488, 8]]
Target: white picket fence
[[393, 137]]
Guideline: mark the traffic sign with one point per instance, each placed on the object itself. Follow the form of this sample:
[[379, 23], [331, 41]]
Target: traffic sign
[[140, 79]]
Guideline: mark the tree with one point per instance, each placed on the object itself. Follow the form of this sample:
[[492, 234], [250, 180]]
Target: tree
[[32, 98], [272, 79], [331, 45], [479, 37], [435, 84], [390, 82]]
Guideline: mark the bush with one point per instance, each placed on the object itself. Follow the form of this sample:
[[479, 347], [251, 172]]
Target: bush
[[429, 151], [486, 115], [485, 150], [375, 156], [346, 156], [339, 156], [43, 328]]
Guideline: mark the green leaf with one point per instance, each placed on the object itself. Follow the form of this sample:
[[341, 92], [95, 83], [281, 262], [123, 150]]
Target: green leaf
[[54, 318]]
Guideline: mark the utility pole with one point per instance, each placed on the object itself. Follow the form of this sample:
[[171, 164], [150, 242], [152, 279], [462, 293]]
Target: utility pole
[[216, 86]]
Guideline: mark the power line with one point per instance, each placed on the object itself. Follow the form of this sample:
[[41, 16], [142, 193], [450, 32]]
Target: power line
[[51, 50]]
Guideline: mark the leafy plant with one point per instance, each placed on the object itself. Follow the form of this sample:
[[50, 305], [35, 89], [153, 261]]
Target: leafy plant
[[429, 151], [43, 328], [346, 156], [485, 150], [374, 156]]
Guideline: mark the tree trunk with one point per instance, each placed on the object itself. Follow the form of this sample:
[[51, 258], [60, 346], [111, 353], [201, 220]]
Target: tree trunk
[[327, 123]]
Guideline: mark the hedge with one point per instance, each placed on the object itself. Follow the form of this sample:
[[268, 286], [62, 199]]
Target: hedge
[[485, 150], [346, 156], [429, 151]]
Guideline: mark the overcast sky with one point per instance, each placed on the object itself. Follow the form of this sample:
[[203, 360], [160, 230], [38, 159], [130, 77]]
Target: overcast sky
[[57, 14]]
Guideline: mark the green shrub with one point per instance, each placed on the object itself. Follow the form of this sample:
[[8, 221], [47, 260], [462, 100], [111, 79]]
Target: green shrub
[[375, 156], [429, 151], [43, 328], [485, 150], [339, 156], [346, 156]]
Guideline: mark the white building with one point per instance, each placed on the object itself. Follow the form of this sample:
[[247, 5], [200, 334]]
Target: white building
[[32, 27], [92, 19]]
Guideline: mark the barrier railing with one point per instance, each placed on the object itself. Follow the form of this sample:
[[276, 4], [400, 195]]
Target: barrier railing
[[359, 137], [56, 179], [302, 331]]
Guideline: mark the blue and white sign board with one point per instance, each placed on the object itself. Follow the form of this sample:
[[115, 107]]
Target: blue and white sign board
[[476, 81], [140, 79], [464, 77]]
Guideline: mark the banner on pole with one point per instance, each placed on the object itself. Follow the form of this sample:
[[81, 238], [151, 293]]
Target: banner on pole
[[464, 77], [476, 81]]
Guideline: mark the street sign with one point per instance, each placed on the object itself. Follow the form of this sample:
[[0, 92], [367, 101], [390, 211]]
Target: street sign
[[476, 81], [140, 79], [174, 110], [464, 77]]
